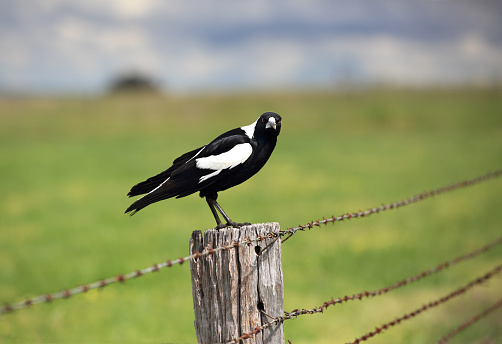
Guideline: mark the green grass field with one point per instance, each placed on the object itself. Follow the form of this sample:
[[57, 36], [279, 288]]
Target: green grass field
[[67, 164]]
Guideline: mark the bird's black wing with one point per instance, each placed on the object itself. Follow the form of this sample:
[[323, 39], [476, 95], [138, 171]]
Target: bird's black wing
[[216, 156], [224, 143], [186, 176], [153, 182]]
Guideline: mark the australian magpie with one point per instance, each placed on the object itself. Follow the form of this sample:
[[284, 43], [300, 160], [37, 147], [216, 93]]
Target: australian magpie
[[228, 160]]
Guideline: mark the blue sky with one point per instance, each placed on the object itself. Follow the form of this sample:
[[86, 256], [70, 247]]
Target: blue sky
[[80, 45]]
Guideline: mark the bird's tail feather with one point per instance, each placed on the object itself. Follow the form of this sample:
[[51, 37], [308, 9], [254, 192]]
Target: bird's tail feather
[[153, 182], [149, 184], [148, 199]]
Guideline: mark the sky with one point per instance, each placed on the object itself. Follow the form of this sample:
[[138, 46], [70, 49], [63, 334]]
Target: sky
[[65, 46]]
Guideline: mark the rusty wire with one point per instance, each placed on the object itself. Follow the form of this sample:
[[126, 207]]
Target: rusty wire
[[435, 303], [64, 294], [366, 294], [395, 205], [471, 321]]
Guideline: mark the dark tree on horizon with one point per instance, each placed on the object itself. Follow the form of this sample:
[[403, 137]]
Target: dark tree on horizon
[[133, 82]]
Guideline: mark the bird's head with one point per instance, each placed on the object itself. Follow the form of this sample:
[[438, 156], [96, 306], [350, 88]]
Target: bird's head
[[270, 123]]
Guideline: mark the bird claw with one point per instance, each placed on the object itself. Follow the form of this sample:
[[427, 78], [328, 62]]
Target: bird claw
[[238, 225], [231, 224]]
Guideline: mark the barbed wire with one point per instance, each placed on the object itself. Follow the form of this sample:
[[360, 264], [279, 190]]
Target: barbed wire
[[67, 293], [435, 303], [395, 205], [367, 294], [471, 321]]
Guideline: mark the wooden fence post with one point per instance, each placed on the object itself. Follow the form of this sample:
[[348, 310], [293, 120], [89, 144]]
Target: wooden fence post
[[233, 289]]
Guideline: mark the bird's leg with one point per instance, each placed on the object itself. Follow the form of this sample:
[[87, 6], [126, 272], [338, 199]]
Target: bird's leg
[[229, 222], [214, 205], [211, 202]]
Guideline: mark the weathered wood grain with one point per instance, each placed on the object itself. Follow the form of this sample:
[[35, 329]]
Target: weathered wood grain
[[232, 290]]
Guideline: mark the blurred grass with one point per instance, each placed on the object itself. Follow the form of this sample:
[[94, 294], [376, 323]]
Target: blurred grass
[[67, 164]]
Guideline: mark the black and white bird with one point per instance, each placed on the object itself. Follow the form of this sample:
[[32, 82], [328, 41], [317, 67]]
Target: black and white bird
[[227, 161]]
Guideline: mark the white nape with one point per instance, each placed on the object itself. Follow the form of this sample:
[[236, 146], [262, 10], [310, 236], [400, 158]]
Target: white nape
[[249, 129]]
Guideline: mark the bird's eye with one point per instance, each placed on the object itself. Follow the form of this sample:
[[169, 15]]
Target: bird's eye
[[279, 122], [263, 120]]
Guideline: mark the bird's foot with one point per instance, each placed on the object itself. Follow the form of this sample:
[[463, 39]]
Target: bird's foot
[[237, 224], [231, 224]]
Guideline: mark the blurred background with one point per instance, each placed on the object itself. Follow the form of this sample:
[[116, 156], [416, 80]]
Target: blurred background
[[380, 101]]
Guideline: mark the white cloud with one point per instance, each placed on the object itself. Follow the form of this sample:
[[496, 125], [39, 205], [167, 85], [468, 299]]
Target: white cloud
[[130, 8], [119, 9], [380, 58], [94, 47], [260, 62], [384, 58]]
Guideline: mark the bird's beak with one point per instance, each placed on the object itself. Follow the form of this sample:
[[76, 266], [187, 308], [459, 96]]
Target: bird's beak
[[271, 123]]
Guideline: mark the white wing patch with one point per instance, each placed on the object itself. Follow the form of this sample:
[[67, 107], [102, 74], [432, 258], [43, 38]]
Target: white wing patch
[[236, 156]]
